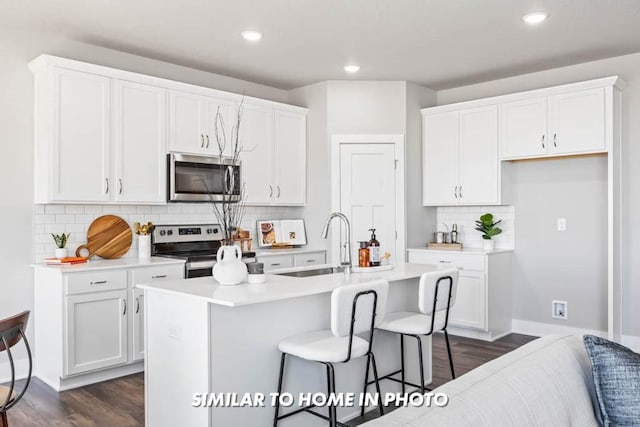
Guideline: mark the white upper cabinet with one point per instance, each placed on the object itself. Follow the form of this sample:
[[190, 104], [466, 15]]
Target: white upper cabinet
[[192, 123], [102, 136], [76, 146], [559, 124], [479, 167], [256, 137], [274, 155], [440, 158], [460, 164], [290, 157], [140, 138], [523, 128], [577, 122]]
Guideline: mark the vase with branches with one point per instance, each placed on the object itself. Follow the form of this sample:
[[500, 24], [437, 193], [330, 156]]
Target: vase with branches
[[230, 211]]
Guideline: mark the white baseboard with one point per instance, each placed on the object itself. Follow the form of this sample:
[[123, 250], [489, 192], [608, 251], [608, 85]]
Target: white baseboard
[[540, 329], [22, 369]]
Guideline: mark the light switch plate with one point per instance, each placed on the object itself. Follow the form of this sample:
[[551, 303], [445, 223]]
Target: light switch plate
[[562, 224]]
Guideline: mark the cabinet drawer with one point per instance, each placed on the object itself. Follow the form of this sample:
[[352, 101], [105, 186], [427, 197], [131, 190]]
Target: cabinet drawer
[[151, 274], [462, 261], [315, 258], [95, 281], [276, 262]]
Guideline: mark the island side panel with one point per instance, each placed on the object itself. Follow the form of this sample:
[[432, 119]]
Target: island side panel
[[245, 356], [177, 362]]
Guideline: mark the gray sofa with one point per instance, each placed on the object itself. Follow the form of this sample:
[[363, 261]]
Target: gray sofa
[[546, 382]]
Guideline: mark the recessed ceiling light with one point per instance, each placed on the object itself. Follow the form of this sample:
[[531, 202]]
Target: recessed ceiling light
[[352, 68], [535, 17], [251, 35]]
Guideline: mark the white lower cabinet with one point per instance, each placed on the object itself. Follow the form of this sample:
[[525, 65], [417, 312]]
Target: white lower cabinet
[[483, 301], [96, 331], [137, 329], [90, 322], [302, 258]]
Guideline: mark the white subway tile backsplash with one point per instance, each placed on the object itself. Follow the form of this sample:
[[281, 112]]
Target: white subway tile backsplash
[[75, 219], [465, 217]]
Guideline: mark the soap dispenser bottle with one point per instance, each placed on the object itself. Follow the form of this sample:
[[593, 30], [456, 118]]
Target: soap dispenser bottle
[[374, 249]]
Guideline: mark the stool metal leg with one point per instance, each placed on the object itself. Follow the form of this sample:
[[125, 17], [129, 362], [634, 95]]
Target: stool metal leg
[[419, 341], [377, 380], [333, 418], [280, 377], [446, 337], [366, 381], [402, 362]]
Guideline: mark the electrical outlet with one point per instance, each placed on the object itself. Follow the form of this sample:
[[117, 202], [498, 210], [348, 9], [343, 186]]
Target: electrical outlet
[[559, 310], [562, 224], [175, 331]]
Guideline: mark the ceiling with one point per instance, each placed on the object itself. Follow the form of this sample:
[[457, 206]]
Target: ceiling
[[435, 43]]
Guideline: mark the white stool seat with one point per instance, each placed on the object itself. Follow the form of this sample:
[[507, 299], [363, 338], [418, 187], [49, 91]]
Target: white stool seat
[[323, 346], [410, 323]]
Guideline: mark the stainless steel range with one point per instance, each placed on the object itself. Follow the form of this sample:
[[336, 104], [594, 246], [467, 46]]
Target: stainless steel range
[[197, 244]]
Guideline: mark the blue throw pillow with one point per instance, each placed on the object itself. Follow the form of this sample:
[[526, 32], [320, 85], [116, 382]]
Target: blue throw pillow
[[616, 374]]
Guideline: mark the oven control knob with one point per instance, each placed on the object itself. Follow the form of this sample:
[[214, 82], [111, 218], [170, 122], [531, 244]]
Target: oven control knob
[[162, 232], [215, 230], [169, 232]]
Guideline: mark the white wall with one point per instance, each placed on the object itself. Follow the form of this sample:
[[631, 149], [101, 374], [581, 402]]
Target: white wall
[[17, 48], [586, 291], [420, 219]]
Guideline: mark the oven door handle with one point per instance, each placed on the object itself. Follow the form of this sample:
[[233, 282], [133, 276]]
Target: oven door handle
[[197, 265]]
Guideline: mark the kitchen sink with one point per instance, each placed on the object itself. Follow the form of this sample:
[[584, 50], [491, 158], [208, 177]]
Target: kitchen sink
[[309, 273]]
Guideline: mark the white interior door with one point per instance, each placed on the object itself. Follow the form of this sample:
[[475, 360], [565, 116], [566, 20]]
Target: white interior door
[[367, 194]]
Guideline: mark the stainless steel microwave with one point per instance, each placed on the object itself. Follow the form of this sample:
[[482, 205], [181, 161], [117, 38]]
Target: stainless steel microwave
[[193, 178]]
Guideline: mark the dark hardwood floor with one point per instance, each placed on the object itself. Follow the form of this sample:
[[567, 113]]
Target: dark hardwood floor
[[120, 402]]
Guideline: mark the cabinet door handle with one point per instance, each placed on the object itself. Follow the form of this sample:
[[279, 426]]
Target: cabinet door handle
[[275, 264], [106, 186], [124, 311], [120, 185], [542, 140], [201, 141], [159, 276], [554, 140], [270, 191], [137, 304], [310, 260], [278, 194], [455, 191], [444, 262], [100, 282], [207, 140], [460, 192]]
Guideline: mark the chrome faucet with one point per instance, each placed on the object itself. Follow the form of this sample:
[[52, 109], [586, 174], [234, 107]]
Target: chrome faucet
[[345, 264]]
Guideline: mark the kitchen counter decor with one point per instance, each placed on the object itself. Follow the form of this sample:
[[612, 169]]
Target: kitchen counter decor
[[61, 244], [488, 228], [144, 239]]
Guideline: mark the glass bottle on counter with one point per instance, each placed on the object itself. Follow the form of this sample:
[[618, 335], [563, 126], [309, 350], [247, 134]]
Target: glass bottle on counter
[[374, 249], [363, 255]]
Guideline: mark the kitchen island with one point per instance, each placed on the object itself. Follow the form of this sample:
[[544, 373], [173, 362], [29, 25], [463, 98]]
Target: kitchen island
[[202, 337]]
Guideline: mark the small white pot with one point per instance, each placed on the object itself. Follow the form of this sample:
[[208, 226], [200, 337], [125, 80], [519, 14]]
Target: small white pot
[[489, 245], [144, 246], [61, 253]]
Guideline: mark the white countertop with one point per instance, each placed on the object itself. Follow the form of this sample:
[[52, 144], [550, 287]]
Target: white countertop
[[108, 264], [290, 251], [478, 251], [279, 287]]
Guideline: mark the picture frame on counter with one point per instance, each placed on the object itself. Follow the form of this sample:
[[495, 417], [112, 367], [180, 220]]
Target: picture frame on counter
[[281, 233]]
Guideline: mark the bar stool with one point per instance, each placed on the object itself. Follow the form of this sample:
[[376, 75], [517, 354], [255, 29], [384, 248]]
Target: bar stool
[[11, 332], [355, 309], [436, 296]]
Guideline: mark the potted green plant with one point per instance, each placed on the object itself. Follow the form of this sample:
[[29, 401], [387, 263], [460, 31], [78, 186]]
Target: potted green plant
[[488, 228], [61, 244]]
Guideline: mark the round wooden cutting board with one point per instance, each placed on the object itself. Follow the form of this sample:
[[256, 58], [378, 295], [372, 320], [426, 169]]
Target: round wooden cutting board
[[108, 236]]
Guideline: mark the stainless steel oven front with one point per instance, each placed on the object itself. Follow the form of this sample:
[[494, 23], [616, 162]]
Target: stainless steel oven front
[[194, 178]]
